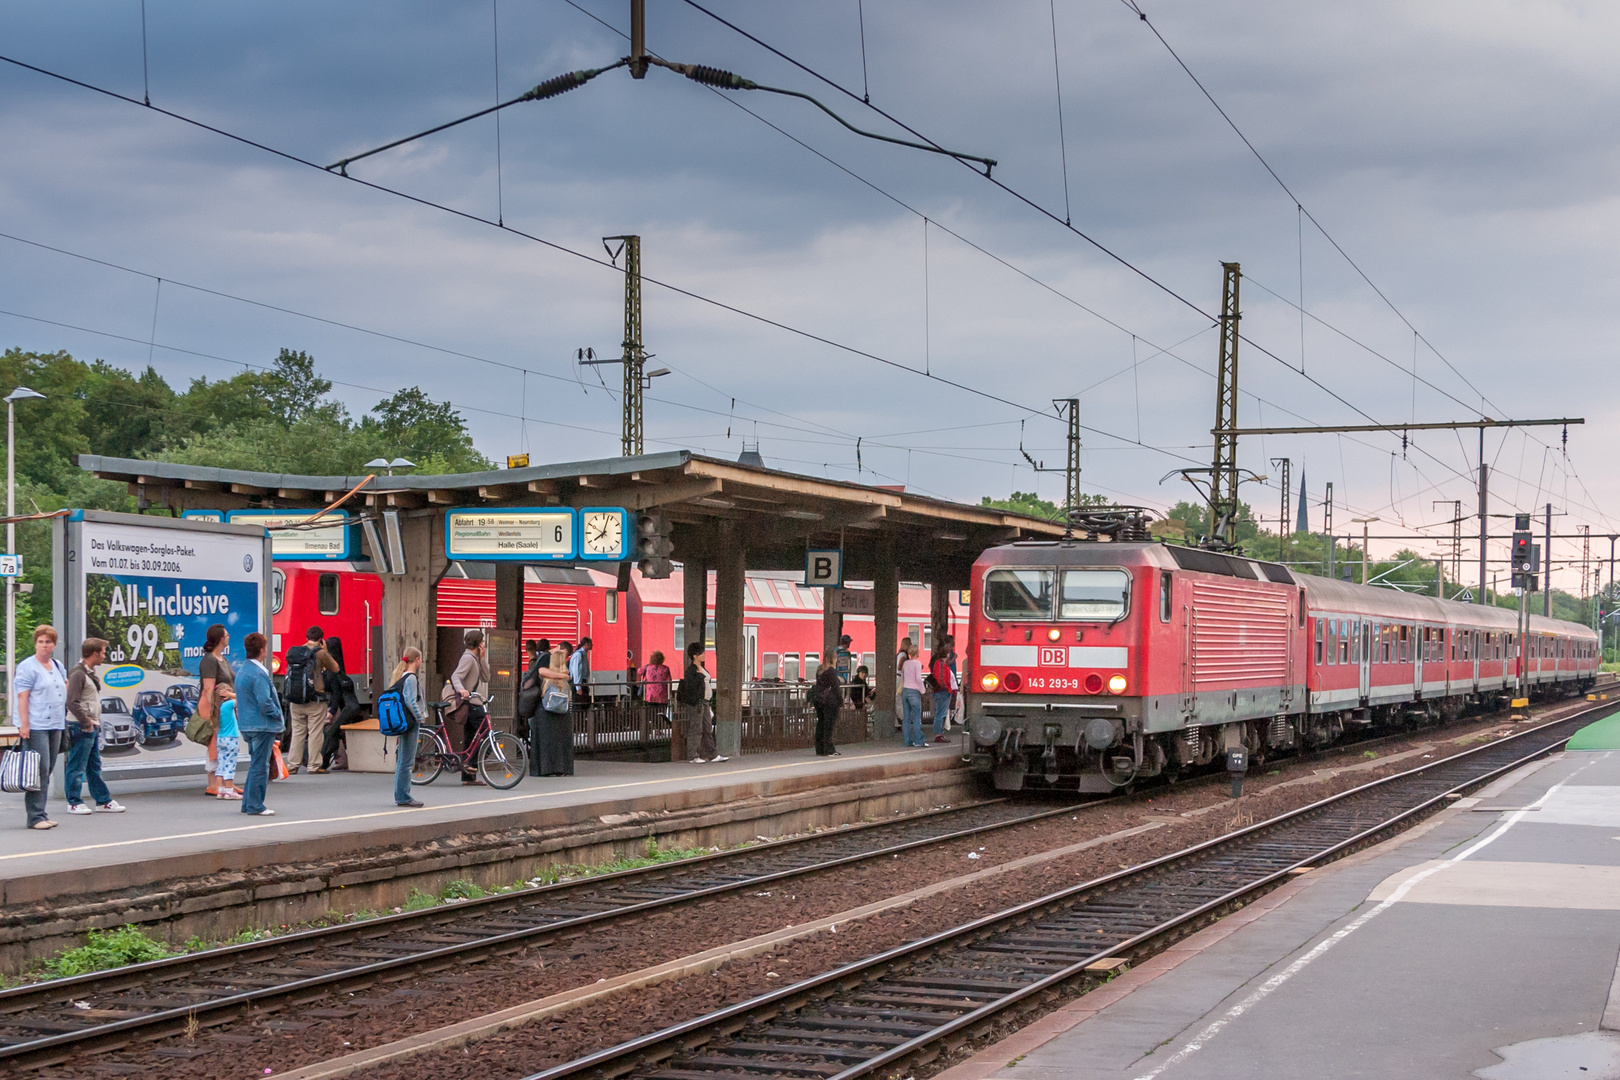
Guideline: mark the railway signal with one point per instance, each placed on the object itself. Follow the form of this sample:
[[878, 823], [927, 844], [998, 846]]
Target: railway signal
[[653, 545]]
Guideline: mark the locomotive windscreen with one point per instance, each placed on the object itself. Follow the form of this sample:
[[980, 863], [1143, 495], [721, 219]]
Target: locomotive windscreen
[[1094, 594], [1018, 594]]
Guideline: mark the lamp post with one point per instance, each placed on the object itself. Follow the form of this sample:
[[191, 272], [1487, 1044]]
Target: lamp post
[[1364, 522], [22, 393], [1612, 538]]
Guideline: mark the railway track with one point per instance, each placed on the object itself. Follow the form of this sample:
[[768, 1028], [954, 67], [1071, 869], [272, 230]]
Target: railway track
[[891, 1012], [47, 1022]]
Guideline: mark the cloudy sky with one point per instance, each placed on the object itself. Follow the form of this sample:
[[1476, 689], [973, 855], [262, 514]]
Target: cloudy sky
[[1462, 154]]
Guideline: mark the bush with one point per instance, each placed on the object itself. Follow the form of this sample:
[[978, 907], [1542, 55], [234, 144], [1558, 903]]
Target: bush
[[420, 900], [105, 949]]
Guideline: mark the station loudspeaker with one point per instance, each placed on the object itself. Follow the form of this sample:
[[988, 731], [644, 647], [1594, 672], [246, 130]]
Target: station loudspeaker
[[653, 545]]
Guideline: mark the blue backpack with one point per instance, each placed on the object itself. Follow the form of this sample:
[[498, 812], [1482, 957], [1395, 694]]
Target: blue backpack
[[393, 718]]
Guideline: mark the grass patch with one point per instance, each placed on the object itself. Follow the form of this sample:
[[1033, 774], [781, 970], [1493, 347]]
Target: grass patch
[[420, 900], [103, 949], [462, 889]]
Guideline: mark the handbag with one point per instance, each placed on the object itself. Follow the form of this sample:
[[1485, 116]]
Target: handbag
[[278, 764], [19, 770], [200, 729], [556, 699]]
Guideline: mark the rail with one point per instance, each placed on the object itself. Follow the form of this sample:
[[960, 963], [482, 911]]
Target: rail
[[45, 1022], [888, 1013]]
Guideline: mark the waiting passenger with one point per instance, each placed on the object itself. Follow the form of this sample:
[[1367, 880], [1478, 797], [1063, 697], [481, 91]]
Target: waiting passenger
[[41, 716], [342, 707], [693, 696], [827, 697], [468, 688], [410, 691], [911, 689], [214, 669], [655, 680], [858, 688], [84, 751], [258, 718], [226, 736], [579, 671]]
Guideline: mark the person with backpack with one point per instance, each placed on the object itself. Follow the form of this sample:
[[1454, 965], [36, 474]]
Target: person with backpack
[[402, 704], [692, 694], [41, 717], [941, 683], [827, 697], [342, 705], [306, 701]]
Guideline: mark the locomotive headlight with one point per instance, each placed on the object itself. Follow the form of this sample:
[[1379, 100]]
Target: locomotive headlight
[[275, 665], [986, 730], [1116, 684], [1053, 634], [989, 681]]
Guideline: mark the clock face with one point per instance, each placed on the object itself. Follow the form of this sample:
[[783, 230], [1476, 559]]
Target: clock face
[[603, 532]]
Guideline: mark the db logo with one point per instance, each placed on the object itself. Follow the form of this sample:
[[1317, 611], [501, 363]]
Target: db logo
[[1051, 657]]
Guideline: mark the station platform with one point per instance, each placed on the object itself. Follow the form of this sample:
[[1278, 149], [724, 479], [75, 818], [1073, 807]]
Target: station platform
[[1483, 943], [171, 831]]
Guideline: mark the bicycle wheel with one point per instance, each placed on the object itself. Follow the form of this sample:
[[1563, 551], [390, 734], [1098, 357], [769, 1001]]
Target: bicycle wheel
[[503, 760], [430, 755]]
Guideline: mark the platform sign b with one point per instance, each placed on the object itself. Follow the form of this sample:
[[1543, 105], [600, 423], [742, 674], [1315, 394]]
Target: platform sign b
[[824, 567]]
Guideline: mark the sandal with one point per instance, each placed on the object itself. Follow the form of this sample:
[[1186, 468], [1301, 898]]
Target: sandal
[[229, 793]]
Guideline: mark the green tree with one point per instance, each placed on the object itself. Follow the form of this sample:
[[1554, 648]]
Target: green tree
[[1027, 502], [412, 425], [293, 390]]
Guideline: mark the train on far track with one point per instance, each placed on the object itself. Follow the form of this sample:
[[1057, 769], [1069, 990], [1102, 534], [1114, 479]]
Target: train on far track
[[1097, 662]]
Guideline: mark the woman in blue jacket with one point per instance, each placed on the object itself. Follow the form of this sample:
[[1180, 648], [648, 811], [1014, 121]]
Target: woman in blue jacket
[[258, 718]]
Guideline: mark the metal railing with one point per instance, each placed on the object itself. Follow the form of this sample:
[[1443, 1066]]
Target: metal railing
[[775, 716]]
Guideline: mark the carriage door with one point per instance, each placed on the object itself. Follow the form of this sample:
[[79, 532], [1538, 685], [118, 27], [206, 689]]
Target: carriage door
[[1473, 636], [1420, 645], [1366, 660], [750, 652]]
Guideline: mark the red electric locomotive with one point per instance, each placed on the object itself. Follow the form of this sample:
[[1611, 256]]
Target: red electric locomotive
[[1093, 663]]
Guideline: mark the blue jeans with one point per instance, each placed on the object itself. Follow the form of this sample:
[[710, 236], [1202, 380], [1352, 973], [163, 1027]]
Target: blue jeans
[[911, 717], [942, 710], [84, 763], [404, 761], [258, 774]]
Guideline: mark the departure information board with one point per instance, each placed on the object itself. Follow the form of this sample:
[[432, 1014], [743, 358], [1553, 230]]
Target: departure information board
[[537, 534]]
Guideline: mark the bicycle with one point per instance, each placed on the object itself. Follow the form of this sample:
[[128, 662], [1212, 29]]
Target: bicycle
[[502, 758]]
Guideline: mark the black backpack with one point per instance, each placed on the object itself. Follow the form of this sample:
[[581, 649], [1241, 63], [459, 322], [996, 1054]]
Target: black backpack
[[690, 689], [300, 682]]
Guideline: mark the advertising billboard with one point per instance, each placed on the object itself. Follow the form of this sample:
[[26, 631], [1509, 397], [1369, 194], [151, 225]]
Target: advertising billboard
[[151, 586]]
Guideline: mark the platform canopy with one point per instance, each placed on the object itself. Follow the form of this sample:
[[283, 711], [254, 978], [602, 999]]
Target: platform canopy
[[778, 513]]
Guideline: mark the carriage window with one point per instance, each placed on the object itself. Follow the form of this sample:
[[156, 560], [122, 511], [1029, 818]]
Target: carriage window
[[773, 666], [1165, 581], [612, 607], [1095, 595], [790, 667], [1318, 642], [278, 590], [1402, 657], [326, 594], [680, 634], [1344, 641], [1017, 594], [1333, 641]]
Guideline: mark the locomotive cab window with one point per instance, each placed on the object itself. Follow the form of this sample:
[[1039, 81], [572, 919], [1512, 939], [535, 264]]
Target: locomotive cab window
[[278, 590], [1095, 595], [1017, 594], [326, 594]]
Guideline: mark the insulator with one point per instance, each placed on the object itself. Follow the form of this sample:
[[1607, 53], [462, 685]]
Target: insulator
[[717, 77], [559, 85]]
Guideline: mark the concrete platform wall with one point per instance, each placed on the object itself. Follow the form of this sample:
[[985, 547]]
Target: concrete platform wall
[[215, 895]]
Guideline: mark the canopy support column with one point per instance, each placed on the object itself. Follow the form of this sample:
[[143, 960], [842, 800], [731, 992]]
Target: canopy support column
[[886, 616], [730, 580], [410, 600]]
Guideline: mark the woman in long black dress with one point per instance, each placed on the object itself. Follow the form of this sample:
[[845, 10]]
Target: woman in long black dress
[[342, 704], [554, 732]]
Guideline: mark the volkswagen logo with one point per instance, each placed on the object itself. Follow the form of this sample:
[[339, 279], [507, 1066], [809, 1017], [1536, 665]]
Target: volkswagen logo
[[247, 563]]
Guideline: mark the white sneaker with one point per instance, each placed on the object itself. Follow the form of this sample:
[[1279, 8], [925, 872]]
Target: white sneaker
[[112, 806], [78, 808], [719, 757], [267, 812], [700, 761]]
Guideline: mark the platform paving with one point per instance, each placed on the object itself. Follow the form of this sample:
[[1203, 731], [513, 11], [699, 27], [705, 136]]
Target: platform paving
[[171, 819], [1481, 944]]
